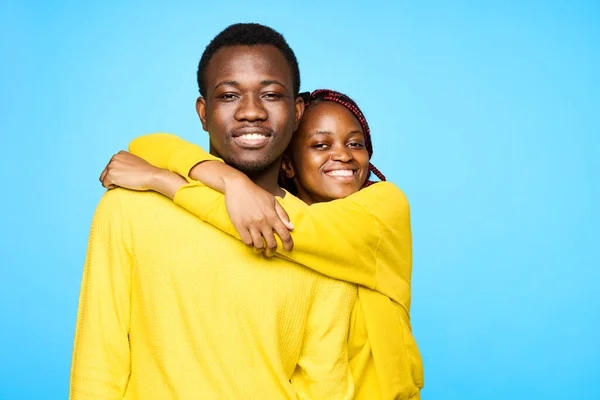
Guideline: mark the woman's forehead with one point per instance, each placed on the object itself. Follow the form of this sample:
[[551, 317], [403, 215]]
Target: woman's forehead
[[327, 115]]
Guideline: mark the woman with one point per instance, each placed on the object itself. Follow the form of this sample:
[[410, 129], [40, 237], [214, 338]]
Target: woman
[[327, 166]]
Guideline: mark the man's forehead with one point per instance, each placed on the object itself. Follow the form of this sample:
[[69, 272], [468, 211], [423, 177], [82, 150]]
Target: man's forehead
[[247, 60]]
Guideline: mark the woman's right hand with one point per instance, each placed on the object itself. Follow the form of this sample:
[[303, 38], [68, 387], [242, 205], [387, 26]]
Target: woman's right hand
[[257, 215], [129, 171]]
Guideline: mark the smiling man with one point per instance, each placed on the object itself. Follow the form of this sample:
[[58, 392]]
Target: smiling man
[[172, 308]]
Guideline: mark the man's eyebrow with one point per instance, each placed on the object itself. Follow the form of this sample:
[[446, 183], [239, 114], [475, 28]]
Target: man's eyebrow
[[272, 82], [228, 83], [262, 83]]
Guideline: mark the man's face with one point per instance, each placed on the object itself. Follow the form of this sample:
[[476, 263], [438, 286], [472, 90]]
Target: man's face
[[250, 110]]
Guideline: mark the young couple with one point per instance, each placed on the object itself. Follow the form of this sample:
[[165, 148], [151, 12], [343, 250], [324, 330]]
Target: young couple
[[183, 308]]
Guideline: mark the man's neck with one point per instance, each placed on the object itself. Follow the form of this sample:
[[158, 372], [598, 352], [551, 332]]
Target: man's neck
[[268, 179]]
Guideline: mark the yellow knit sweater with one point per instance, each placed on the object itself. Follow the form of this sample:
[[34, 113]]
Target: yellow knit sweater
[[363, 239], [173, 308]]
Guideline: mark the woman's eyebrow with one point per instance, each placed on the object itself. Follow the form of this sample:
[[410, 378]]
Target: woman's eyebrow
[[321, 133]]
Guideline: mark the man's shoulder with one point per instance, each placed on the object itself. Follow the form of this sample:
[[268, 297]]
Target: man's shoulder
[[126, 196], [131, 202]]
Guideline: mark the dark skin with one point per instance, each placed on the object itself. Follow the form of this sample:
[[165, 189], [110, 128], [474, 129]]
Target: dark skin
[[250, 110], [327, 158]]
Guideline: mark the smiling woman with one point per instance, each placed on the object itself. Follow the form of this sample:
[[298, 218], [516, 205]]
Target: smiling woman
[[327, 158]]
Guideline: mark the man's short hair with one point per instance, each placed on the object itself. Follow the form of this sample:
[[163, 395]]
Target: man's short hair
[[248, 34]]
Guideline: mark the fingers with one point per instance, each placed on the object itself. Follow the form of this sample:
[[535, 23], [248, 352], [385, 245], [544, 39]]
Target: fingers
[[269, 252], [244, 235], [106, 179], [260, 230], [248, 239], [257, 239], [284, 234], [269, 237], [103, 175], [283, 216]]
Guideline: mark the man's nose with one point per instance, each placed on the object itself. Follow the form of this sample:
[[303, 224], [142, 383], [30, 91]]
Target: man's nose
[[251, 109]]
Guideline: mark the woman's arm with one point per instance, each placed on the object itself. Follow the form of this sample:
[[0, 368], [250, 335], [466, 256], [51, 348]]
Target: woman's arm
[[364, 238], [256, 214], [168, 151]]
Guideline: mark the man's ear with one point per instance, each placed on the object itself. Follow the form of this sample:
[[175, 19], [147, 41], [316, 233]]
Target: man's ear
[[201, 110], [287, 167], [299, 111]]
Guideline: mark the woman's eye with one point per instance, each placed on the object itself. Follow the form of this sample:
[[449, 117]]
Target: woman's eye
[[320, 146], [357, 145]]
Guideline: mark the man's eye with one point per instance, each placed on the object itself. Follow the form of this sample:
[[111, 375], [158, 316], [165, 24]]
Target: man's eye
[[227, 96], [272, 96]]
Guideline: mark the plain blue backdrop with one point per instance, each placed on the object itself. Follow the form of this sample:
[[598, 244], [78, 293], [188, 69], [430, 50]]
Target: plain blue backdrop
[[487, 114]]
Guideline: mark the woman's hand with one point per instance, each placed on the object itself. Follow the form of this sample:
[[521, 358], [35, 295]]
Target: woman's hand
[[132, 172], [257, 215]]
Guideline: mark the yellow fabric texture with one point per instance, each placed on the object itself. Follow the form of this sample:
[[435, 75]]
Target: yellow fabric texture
[[363, 239], [173, 308]]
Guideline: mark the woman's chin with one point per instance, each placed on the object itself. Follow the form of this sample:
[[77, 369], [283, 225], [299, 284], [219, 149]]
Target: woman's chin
[[341, 191]]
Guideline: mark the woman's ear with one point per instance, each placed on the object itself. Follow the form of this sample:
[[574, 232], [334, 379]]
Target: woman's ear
[[287, 167], [299, 111]]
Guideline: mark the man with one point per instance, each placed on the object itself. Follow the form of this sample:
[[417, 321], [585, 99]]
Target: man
[[173, 308]]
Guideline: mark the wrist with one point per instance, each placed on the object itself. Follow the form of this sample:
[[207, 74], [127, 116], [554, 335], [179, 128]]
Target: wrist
[[157, 178], [166, 182], [233, 179]]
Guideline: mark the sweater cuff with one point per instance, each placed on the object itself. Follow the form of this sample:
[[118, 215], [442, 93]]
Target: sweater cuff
[[187, 157]]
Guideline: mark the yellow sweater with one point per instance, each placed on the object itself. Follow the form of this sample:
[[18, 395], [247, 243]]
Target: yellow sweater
[[363, 239], [173, 308]]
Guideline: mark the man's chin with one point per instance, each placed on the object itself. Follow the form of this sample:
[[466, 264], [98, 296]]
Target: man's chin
[[252, 167]]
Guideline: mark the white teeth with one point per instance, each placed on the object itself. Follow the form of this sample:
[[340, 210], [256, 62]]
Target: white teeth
[[341, 172], [253, 136]]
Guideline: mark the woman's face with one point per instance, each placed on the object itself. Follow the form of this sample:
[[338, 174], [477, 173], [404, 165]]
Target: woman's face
[[327, 158]]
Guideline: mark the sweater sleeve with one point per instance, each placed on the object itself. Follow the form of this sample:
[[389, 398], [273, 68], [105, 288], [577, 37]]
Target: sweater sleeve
[[165, 150], [364, 238], [101, 364], [322, 371]]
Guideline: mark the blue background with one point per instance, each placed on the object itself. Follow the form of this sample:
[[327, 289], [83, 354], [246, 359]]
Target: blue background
[[487, 114]]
